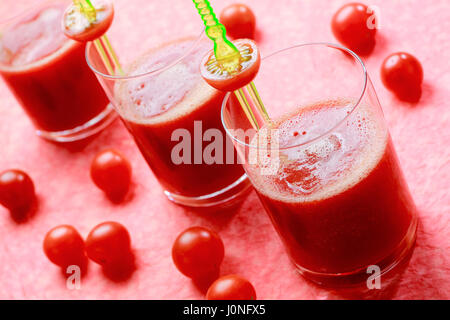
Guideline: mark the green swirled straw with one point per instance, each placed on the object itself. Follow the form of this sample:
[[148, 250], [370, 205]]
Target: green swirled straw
[[229, 59], [88, 9], [226, 53]]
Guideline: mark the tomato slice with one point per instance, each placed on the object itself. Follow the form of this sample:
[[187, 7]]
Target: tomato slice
[[77, 26], [221, 79]]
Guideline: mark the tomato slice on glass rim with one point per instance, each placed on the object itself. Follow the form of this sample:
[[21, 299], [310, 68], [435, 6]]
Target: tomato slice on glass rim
[[77, 26], [220, 79]]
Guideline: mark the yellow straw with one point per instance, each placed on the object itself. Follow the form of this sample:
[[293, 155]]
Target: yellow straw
[[103, 46]]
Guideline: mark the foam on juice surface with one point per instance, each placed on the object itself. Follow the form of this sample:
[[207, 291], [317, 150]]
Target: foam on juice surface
[[164, 81], [328, 165], [38, 35]]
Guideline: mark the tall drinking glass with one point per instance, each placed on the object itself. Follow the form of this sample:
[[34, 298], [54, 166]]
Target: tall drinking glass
[[48, 73], [325, 167], [172, 114]]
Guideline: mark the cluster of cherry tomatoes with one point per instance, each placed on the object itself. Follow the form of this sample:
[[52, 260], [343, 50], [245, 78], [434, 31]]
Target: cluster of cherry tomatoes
[[198, 254], [108, 244], [110, 171], [355, 26], [401, 72]]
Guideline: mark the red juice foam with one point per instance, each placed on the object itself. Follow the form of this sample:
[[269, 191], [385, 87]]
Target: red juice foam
[[48, 73], [154, 106], [339, 203]]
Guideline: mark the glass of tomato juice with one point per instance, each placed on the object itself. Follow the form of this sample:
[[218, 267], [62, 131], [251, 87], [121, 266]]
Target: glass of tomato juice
[[48, 74], [170, 111], [324, 166]]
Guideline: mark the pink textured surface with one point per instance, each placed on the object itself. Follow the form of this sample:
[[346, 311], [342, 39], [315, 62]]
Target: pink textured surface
[[67, 195]]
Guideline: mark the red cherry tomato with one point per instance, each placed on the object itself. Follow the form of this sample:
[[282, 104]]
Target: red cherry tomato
[[109, 243], [64, 246], [351, 26], [16, 191], [198, 253], [111, 172], [239, 21], [231, 287], [222, 80], [74, 25], [402, 73]]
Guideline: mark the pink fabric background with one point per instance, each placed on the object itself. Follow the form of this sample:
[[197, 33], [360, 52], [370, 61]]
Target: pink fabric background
[[67, 196]]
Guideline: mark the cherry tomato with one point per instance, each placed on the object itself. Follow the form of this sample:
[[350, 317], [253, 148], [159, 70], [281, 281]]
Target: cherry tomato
[[16, 191], [111, 172], [351, 26], [64, 246], [109, 243], [239, 21], [231, 287], [198, 253], [74, 20], [216, 77], [402, 73]]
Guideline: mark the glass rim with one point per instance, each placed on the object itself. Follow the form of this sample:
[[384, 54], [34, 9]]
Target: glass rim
[[329, 131], [144, 74]]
